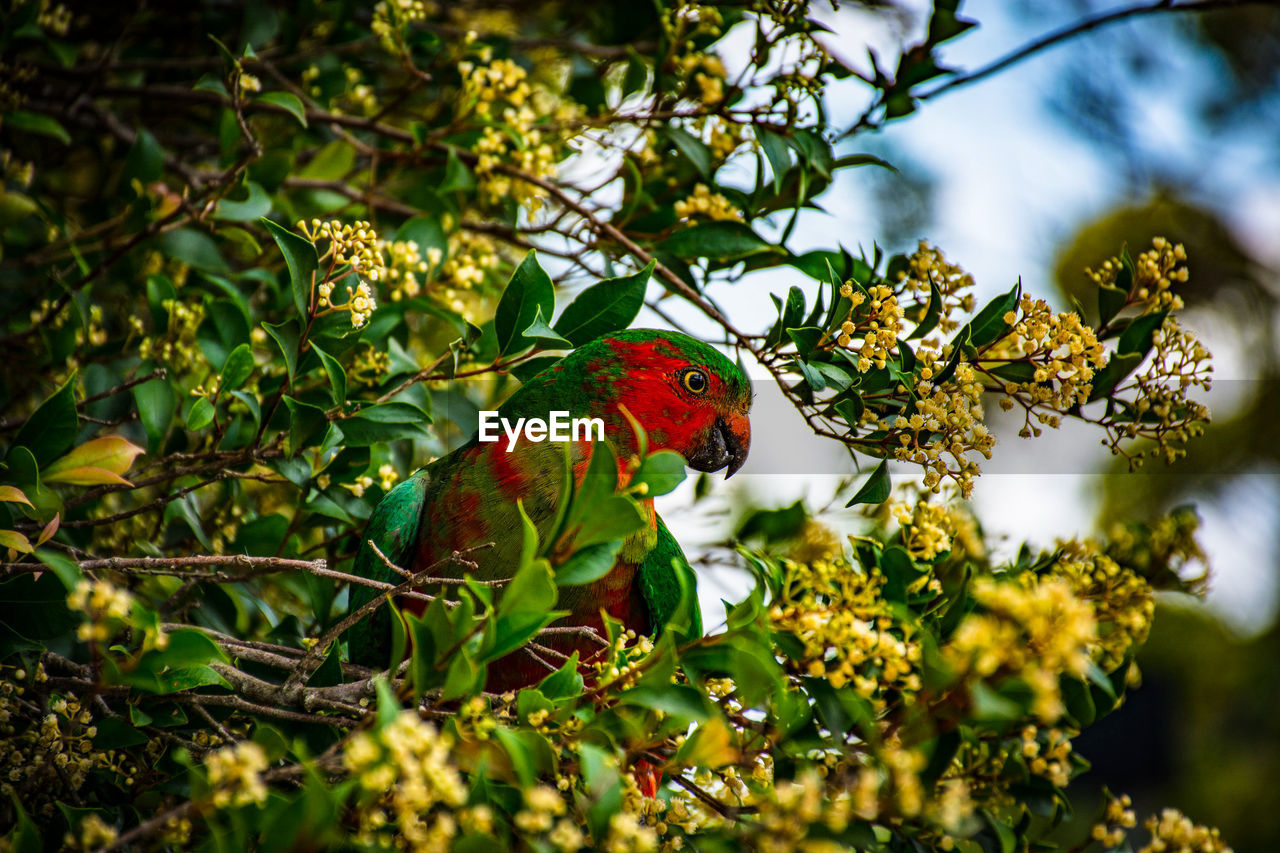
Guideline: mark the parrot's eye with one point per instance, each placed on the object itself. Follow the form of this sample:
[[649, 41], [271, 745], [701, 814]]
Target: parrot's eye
[[695, 381]]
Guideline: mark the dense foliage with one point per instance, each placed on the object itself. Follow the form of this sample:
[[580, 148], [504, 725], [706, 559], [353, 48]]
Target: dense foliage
[[258, 266]]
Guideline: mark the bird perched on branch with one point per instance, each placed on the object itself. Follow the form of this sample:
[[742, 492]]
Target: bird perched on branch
[[685, 395]]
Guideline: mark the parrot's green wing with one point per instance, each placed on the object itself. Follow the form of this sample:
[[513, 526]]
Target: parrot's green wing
[[665, 576], [393, 527]]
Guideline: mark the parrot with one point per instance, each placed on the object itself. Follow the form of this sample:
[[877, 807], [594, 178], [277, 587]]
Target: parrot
[[687, 397]]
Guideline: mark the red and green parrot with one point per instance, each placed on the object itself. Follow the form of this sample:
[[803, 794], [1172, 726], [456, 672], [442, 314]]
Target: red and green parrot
[[687, 397]]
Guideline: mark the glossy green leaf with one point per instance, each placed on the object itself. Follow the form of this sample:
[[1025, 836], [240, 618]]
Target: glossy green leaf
[[337, 376], [51, 429], [717, 241], [255, 206], [288, 337], [286, 101], [157, 402], [236, 369], [877, 487], [300, 258], [529, 291], [605, 307], [37, 123], [201, 414]]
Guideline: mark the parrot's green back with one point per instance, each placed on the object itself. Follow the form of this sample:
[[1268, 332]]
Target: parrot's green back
[[393, 527]]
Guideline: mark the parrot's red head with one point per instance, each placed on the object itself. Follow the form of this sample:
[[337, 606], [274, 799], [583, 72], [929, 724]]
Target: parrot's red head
[[688, 397]]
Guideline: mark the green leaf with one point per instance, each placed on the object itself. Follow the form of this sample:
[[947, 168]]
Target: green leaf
[[1140, 334], [145, 160], [532, 590], [589, 564], [457, 177], [774, 525], [877, 487], [543, 335], [777, 152], [694, 149], [37, 123], [989, 323], [337, 376], [287, 336], [201, 414], [255, 206], [236, 369], [287, 101], [52, 427], [932, 314], [157, 402], [1019, 372], [606, 307], [194, 248], [529, 291], [300, 257], [1110, 301], [306, 423], [331, 163], [679, 700], [662, 471], [718, 241], [564, 683], [1113, 373], [67, 569], [385, 422]]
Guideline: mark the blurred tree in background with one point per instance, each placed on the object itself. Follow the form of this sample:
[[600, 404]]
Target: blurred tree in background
[[261, 263]]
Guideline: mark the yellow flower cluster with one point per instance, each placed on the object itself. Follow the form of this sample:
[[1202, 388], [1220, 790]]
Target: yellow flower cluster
[[1122, 601], [178, 344], [390, 16], [405, 766], [473, 260], [1064, 354], [947, 421], [816, 541], [349, 243], [358, 487], [1166, 547], [405, 263], [926, 528], [53, 19], [1047, 753], [94, 834], [387, 477], [523, 149], [927, 264], [235, 774], [705, 204], [848, 632], [105, 604], [50, 757], [484, 86], [1174, 832], [703, 73], [361, 302], [1116, 820], [1160, 392], [1154, 273], [369, 365], [1033, 628], [871, 334]]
